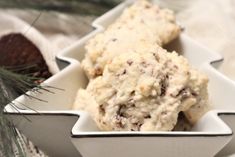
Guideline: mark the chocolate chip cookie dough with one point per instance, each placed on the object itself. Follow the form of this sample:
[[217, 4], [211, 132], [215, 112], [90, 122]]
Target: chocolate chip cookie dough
[[135, 85], [144, 92], [140, 25]]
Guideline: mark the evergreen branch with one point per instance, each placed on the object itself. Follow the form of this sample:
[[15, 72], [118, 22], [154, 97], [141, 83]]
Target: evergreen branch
[[86, 7], [13, 85]]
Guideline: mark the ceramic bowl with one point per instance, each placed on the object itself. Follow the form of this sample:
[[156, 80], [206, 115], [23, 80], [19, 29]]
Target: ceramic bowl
[[61, 132]]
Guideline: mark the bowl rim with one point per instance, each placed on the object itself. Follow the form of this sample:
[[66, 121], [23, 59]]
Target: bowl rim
[[75, 133], [226, 131]]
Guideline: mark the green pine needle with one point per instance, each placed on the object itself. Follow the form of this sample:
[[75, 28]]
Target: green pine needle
[[13, 85]]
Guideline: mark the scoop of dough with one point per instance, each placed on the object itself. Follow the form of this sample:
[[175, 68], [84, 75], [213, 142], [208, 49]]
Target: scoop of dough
[[143, 92], [140, 25], [198, 84]]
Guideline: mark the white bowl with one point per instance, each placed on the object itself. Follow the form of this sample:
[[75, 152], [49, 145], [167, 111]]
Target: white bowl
[[62, 132]]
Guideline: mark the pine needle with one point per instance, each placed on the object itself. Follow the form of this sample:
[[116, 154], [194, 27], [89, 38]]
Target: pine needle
[[13, 85]]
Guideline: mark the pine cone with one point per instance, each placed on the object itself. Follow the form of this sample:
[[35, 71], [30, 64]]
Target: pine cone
[[17, 51]]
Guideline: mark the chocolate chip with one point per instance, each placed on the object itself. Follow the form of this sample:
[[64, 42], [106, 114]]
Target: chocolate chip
[[98, 71], [102, 109], [138, 125], [133, 92], [147, 116], [114, 39], [194, 94], [132, 105], [124, 72], [180, 92], [184, 93], [129, 62], [119, 122], [121, 110], [176, 67], [164, 85], [147, 6]]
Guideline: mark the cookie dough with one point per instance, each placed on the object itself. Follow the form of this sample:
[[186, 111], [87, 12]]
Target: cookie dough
[[198, 84], [144, 92], [140, 25]]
